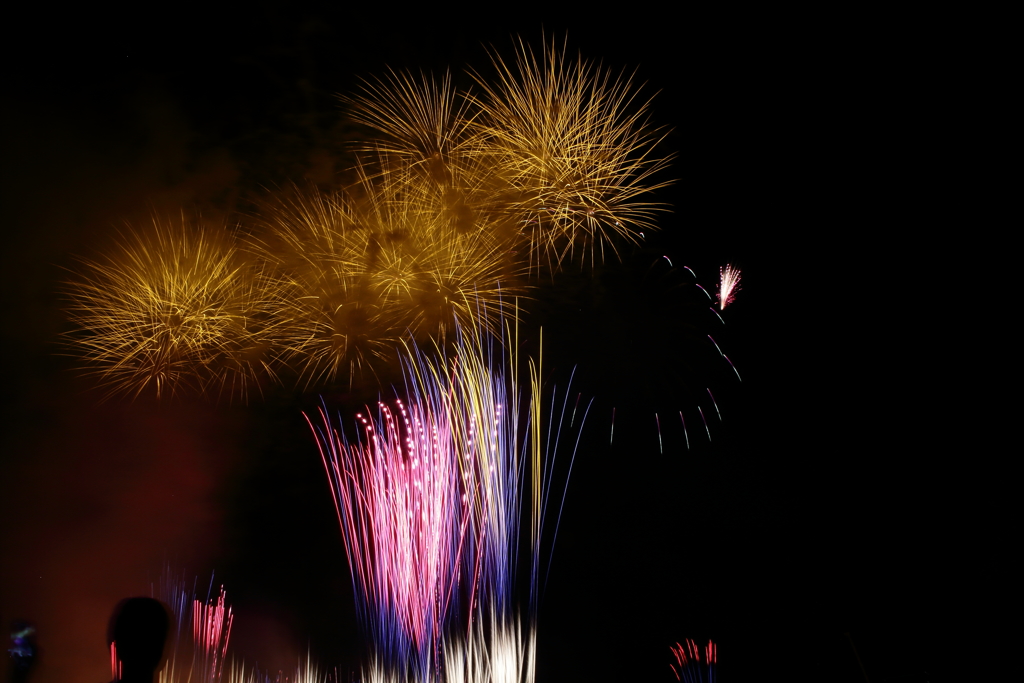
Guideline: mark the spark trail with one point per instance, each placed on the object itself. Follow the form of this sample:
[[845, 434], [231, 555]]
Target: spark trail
[[429, 498], [728, 285], [695, 664]]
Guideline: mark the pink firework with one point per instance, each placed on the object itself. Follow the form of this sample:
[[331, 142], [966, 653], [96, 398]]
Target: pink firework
[[211, 629], [115, 663], [430, 498], [728, 285], [695, 664], [400, 502]]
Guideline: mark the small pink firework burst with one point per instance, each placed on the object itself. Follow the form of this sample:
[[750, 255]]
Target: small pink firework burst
[[728, 285]]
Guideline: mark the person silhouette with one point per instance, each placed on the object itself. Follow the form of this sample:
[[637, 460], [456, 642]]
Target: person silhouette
[[135, 638]]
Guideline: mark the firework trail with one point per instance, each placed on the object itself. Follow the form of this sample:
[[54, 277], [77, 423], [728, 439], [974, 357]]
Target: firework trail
[[211, 630], [715, 403], [396, 493], [662, 304], [555, 153], [658, 422], [173, 307], [171, 590], [574, 152], [695, 664], [305, 672], [495, 652], [702, 419], [200, 633], [728, 285], [200, 625], [686, 434], [429, 500], [404, 502]]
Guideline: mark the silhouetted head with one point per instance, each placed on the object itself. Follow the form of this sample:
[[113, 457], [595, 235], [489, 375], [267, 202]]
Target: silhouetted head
[[138, 628]]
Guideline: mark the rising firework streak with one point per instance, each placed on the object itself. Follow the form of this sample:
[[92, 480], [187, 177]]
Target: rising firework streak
[[728, 285], [428, 498], [695, 664]]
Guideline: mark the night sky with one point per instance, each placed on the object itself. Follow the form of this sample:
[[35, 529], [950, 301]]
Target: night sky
[[835, 496]]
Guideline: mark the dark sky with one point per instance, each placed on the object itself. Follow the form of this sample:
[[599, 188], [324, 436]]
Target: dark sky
[[832, 498]]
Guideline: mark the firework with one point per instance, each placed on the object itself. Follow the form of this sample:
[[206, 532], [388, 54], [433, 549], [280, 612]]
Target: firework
[[728, 285], [429, 498], [173, 307], [172, 592], [350, 274], [305, 672], [328, 322], [461, 198], [694, 664], [425, 122], [430, 145], [559, 149], [396, 494], [570, 143], [211, 630], [660, 303], [201, 626], [495, 652], [439, 256]]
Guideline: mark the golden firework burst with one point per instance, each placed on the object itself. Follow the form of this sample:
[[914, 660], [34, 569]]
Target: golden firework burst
[[443, 254], [462, 197], [326, 320], [425, 122], [571, 143], [172, 307], [350, 274]]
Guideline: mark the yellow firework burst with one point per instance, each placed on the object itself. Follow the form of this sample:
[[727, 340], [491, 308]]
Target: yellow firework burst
[[570, 141], [327, 320], [424, 121], [441, 252], [172, 307], [349, 274]]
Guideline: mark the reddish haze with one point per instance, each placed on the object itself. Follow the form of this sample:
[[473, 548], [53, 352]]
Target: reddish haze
[[103, 498]]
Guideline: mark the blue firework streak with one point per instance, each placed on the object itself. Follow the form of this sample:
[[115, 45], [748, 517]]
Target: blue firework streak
[[429, 499]]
